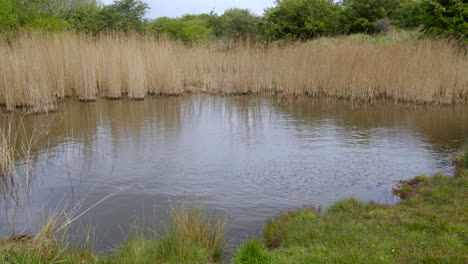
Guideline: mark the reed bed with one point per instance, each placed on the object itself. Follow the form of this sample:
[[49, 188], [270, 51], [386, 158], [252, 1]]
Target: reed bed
[[36, 70]]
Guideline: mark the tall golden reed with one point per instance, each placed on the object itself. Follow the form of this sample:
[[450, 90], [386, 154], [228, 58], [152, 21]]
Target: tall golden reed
[[35, 70]]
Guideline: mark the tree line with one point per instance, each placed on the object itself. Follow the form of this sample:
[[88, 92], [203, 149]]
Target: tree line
[[287, 19]]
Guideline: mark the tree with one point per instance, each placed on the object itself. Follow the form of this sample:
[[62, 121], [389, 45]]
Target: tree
[[407, 14], [361, 15], [59, 15], [301, 19], [238, 23], [83, 16], [124, 15], [188, 28], [12, 15], [446, 17]]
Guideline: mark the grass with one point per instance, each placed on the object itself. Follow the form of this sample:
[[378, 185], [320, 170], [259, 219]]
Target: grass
[[429, 225], [191, 238], [37, 70], [464, 158]]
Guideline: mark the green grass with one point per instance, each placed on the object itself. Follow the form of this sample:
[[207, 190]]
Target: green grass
[[464, 158], [429, 225]]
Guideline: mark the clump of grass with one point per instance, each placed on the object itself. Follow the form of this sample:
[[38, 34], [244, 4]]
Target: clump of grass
[[427, 226], [252, 252], [191, 238]]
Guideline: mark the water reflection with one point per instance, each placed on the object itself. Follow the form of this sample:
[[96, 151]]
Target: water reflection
[[247, 158]]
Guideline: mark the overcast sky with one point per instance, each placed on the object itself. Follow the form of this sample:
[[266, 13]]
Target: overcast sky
[[175, 8]]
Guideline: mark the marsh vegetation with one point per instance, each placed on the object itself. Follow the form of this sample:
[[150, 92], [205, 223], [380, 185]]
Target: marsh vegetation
[[320, 100], [36, 70]]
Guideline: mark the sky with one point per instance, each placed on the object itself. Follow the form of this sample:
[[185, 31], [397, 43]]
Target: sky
[[176, 8]]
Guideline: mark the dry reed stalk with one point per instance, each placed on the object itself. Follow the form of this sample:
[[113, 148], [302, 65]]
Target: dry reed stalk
[[7, 162], [37, 69], [136, 70]]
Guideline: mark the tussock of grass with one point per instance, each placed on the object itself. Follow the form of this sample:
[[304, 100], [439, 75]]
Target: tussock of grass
[[36, 70], [252, 251], [428, 226], [191, 238]]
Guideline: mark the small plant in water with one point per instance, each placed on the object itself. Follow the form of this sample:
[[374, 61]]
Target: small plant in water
[[464, 158]]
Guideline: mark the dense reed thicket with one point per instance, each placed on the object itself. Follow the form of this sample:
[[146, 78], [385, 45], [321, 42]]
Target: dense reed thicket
[[36, 70]]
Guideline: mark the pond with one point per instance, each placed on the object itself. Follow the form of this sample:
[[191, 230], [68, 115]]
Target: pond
[[244, 158]]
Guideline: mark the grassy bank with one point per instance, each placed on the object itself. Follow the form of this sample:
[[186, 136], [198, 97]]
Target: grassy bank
[[37, 70], [427, 226]]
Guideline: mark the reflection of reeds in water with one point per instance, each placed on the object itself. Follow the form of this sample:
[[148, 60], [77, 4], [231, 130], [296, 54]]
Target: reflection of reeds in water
[[7, 162], [17, 143], [34, 70]]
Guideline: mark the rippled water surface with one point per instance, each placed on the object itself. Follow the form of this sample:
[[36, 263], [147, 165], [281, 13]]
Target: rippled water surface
[[246, 158]]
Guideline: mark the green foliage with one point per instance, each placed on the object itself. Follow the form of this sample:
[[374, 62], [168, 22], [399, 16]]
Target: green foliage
[[447, 17], [301, 19], [84, 16], [12, 15], [407, 14], [189, 28], [124, 15], [234, 23], [48, 24], [238, 24], [287, 19], [362, 15]]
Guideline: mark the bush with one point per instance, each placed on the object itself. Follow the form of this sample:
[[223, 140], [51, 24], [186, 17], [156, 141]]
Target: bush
[[382, 26], [48, 24], [445, 17]]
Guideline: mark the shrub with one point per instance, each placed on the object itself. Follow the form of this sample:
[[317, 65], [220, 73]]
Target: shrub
[[382, 26]]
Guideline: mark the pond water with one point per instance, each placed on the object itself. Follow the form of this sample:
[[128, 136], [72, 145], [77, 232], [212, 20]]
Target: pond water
[[244, 158]]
